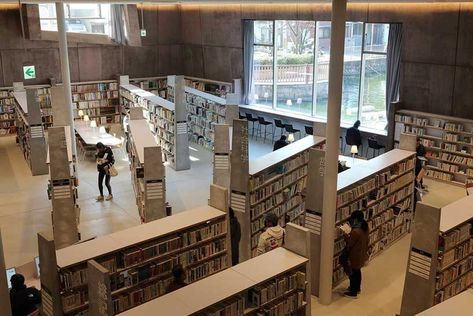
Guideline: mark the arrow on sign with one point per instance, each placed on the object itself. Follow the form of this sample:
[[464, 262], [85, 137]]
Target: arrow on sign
[[29, 72]]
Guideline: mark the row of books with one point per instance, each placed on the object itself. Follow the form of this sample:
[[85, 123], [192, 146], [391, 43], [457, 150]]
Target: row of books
[[92, 113], [454, 288], [353, 193], [205, 114], [8, 103], [205, 104], [286, 307], [402, 228], [6, 130], [450, 137], [276, 204], [449, 275], [411, 120], [206, 133], [386, 228], [451, 158], [268, 291], [439, 175], [234, 306], [7, 116], [200, 140], [73, 300], [83, 88], [164, 113], [414, 130], [152, 84], [448, 167], [4, 94], [459, 252], [453, 127], [93, 104], [97, 95]]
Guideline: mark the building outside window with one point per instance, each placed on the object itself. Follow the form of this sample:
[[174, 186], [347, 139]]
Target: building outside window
[[288, 55], [89, 18]]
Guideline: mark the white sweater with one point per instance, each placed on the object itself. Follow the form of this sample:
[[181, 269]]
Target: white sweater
[[272, 238]]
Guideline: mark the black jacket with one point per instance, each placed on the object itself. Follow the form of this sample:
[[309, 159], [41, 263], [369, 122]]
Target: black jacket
[[24, 300], [353, 136], [279, 144], [110, 160], [235, 236]]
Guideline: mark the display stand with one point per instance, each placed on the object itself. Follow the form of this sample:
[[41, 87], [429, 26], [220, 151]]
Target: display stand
[[30, 130], [441, 255], [147, 170], [139, 260], [221, 158], [272, 183], [275, 283], [448, 141], [62, 188], [4, 292]]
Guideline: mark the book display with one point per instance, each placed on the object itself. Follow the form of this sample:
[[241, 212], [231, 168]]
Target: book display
[[441, 255], [448, 142], [271, 183], [155, 85], [7, 112], [97, 99], [274, 283], [147, 171], [140, 259], [204, 111], [164, 119], [30, 132]]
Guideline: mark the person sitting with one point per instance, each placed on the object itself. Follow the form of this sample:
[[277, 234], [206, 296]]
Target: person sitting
[[23, 300], [179, 279], [353, 136], [273, 237], [280, 143]]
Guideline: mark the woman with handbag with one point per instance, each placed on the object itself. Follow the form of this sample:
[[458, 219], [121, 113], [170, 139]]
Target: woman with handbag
[[105, 161]]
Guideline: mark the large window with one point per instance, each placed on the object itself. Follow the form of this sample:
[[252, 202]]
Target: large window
[[291, 66], [80, 18]]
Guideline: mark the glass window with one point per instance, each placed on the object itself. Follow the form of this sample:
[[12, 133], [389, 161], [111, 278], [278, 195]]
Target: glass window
[[80, 18], [263, 63], [294, 65], [376, 37]]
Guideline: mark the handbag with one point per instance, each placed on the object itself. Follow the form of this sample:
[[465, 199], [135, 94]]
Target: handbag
[[112, 171]]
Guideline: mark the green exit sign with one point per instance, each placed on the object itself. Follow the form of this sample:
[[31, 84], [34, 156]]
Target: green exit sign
[[143, 33], [29, 72]]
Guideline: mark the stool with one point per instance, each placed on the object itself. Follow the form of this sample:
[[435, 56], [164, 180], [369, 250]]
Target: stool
[[262, 122], [241, 117], [251, 120], [309, 130], [292, 130], [373, 144], [279, 124], [349, 143]]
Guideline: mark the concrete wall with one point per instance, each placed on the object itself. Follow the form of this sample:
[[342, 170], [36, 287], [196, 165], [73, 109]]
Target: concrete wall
[[159, 53], [437, 59]]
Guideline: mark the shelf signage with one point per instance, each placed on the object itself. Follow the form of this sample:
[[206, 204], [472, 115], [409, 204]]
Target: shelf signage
[[29, 72]]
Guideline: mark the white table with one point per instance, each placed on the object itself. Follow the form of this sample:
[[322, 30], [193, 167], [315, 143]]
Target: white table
[[91, 135]]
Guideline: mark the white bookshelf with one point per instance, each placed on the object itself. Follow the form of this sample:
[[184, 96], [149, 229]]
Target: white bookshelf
[[448, 142], [155, 85], [458, 305], [441, 255], [271, 183], [249, 288], [139, 260], [147, 171]]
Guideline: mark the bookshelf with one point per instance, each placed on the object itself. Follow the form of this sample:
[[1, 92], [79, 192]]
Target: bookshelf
[[97, 99], [275, 283], [455, 306], [165, 120], [384, 191], [217, 88], [30, 132], [139, 260], [44, 99], [441, 255], [147, 171], [448, 142], [271, 183], [7, 112], [204, 111], [155, 85]]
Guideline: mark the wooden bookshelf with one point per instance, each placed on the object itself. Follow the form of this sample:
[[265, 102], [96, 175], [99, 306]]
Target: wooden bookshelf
[[164, 119], [7, 112], [139, 260], [384, 190], [271, 183], [30, 132], [458, 305], [275, 283], [147, 171], [204, 111], [97, 99], [448, 142], [441, 255]]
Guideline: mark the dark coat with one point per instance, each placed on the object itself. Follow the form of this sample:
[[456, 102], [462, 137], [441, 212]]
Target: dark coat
[[235, 236], [357, 246], [279, 144], [110, 160], [24, 300], [353, 136]]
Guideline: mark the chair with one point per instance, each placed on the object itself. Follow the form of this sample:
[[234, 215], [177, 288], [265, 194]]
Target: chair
[[279, 124], [349, 141], [373, 144], [262, 122], [291, 129], [241, 117], [251, 120], [309, 130]]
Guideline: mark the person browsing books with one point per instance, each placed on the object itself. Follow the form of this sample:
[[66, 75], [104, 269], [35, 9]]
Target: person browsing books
[[23, 300], [420, 156], [105, 160], [357, 251], [179, 279], [274, 235], [235, 236], [280, 143]]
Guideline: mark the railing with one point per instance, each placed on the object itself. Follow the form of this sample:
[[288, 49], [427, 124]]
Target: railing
[[290, 73]]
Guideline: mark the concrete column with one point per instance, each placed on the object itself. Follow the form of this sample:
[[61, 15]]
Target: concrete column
[[337, 46], [66, 76]]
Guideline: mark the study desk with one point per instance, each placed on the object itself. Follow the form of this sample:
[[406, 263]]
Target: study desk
[[91, 135]]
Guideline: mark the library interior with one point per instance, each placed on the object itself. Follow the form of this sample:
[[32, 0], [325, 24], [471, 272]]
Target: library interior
[[236, 158]]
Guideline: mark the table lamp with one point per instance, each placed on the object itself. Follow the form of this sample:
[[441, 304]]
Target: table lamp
[[354, 151], [93, 123], [102, 130], [86, 119], [289, 102], [80, 113], [299, 101], [256, 97], [290, 138]]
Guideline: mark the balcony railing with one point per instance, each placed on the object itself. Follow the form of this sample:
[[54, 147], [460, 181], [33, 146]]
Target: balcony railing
[[263, 74]]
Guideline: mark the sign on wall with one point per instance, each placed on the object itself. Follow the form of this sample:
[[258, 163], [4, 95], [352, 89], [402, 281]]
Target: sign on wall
[[29, 72]]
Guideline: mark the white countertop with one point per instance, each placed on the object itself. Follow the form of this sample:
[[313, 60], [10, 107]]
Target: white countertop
[[456, 213], [91, 135], [459, 305], [206, 95], [149, 96], [142, 137], [67, 131]]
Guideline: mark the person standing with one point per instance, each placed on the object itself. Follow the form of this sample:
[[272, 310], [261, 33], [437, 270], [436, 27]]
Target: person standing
[[357, 251], [235, 236], [105, 160], [280, 143], [420, 156], [353, 136], [274, 235], [23, 300]]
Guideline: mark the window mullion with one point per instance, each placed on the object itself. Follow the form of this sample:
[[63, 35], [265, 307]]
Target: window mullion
[[275, 91], [314, 71], [362, 74]]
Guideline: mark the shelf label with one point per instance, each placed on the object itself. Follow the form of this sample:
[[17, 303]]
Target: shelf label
[[154, 189], [143, 33], [420, 263], [29, 72], [181, 128], [36, 131], [313, 221], [61, 192], [238, 201], [221, 162]]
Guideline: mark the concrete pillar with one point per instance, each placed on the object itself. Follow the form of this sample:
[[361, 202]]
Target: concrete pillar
[[66, 76], [337, 46]]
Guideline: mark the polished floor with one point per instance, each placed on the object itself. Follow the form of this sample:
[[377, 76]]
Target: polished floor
[[25, 210]]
